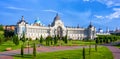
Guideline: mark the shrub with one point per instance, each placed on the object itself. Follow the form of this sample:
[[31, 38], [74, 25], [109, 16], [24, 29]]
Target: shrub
[[83, 53], [41, 39], [34, 49], [55, 40], [15, 40], [22, 50]]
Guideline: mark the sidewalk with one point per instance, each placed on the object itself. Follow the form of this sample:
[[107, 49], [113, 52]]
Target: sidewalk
[[9, 54], [115, 51]]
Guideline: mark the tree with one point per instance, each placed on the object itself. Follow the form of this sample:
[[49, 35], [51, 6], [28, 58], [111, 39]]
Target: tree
[[83, 53], [41, 39], [48, 40], [103, 40], [55, 40], [66, 40], [100, 40], [22, 50], [96, 40], [90, 48], [15, 40], [23, 37], [107, 40], [1, 38], [51, 40], [34, 49], [8, 33], [36, 39], [95, 47], [1, 27]]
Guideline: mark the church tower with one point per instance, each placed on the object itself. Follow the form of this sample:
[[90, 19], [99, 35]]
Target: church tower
[[91, 31]]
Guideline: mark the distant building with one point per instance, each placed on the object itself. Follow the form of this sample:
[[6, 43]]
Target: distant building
[[9, 27], [101, 32], [55, 28], [116, 31]]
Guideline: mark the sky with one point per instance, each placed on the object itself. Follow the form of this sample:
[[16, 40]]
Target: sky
[[102, 13]]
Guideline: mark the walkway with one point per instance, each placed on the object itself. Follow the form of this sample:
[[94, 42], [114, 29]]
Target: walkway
[[115, 51], [9, 54]]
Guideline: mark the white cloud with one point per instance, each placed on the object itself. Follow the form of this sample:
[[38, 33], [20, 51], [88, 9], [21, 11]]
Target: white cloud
[[115, 14], [98, 16], [109, 3], [86, 0], [16, 8], [53, 11]]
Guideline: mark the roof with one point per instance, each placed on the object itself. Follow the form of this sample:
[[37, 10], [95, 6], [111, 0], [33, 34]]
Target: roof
[[57, 17], [22, 20]]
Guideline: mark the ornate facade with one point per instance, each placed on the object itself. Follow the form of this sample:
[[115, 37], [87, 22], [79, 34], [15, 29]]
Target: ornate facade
[[55, 28]]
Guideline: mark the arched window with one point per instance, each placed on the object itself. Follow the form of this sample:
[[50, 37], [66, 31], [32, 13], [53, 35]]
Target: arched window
[[59, 32]]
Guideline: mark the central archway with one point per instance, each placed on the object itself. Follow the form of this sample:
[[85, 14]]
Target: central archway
[[59, 31]]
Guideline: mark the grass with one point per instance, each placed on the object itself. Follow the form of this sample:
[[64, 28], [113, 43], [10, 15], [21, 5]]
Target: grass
[[118, 46], [10, 44], [1, 32], [102, 53], [73, 43]]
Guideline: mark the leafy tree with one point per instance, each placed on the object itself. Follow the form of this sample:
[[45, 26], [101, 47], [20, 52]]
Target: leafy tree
[[41, 39], [83, 53], [103, 40], [1, 38], [107, 40], [96, 40], [51, 40], [89, 49], [8, 33], [36, 39], [15, 40], [1, 27], [22, 50], [66, 40], [95, 47], [23, 37], [48, 40], [100, 40], [55, 40], [34, 49]]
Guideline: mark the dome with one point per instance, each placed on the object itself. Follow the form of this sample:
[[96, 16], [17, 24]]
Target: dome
[[37, 21]]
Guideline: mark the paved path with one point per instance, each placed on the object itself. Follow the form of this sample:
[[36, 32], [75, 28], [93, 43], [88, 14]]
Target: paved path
[[6, 57], [115, 51], [9, 54]]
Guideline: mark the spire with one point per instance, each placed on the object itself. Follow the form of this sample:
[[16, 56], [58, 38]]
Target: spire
[[57, 17], [22, 18], [78, 26], [90, 25], [107, 29]]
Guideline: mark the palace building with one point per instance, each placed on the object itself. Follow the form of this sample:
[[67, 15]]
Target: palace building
[[57, 27]]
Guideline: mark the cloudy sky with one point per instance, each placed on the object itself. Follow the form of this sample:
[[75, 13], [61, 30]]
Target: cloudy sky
[[102, 13]]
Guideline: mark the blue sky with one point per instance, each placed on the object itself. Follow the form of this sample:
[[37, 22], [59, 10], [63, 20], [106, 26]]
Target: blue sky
[[102, 13]]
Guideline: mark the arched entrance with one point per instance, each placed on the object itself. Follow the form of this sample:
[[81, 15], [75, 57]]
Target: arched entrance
[[59, 32]]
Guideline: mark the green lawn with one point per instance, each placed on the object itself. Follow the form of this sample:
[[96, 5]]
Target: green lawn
[[73, 43], [1, 32], [102, 53], [10, 44], [118, 46]]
